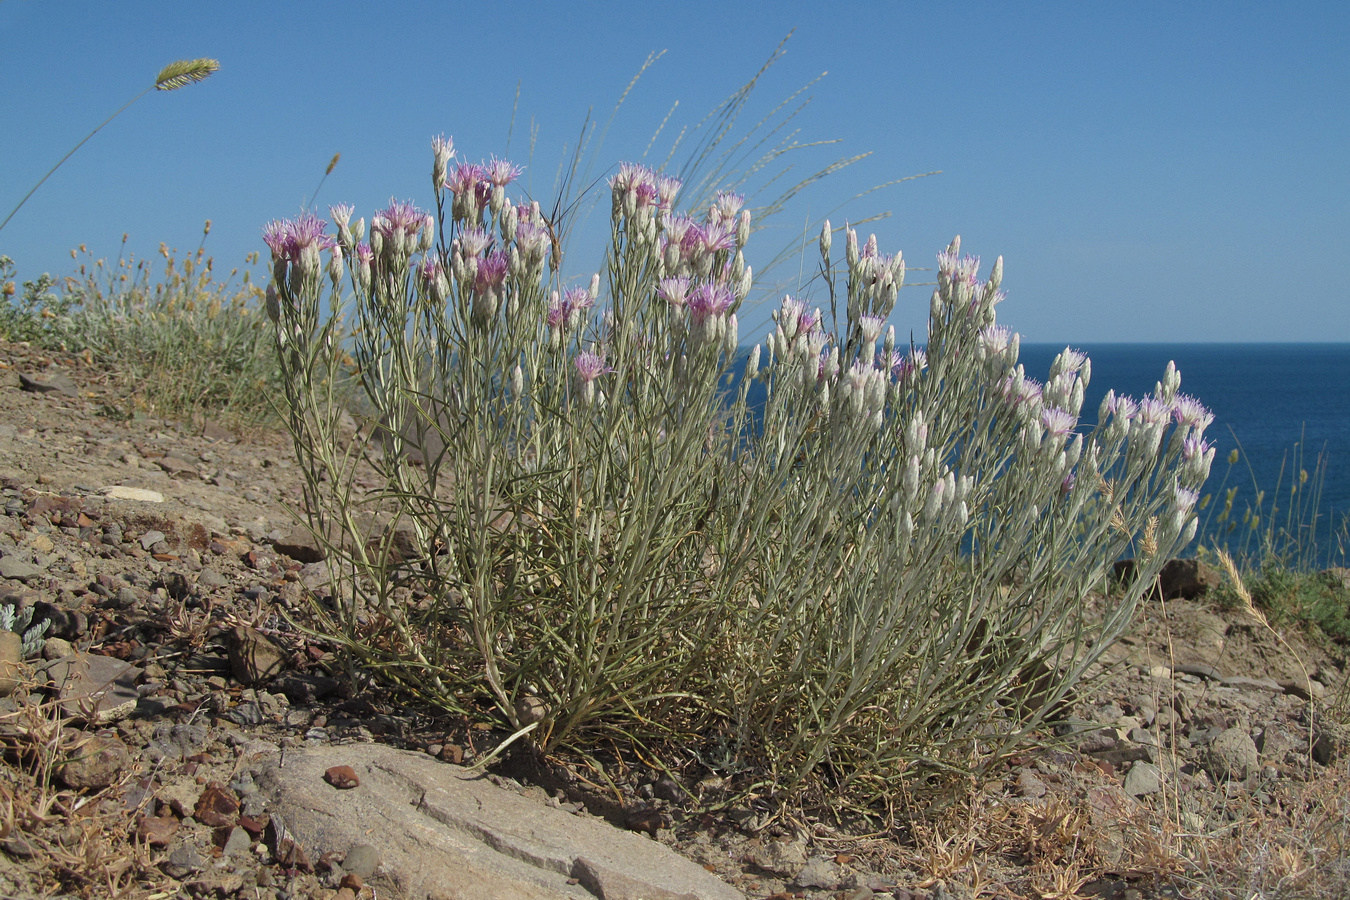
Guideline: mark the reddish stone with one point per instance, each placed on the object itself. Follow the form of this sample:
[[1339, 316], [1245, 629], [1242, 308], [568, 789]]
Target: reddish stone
[[341, 777], [217, 806], [255, 825], [156, 831]]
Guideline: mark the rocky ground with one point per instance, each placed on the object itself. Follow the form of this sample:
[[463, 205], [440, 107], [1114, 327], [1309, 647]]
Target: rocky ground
[[141, 734]]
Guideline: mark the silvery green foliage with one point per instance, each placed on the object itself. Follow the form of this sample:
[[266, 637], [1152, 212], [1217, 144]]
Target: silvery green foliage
[[881, 567], [22, 623]]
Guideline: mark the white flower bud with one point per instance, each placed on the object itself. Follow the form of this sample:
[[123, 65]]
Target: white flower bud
[[518, 381], [826, 239], [752, 367]]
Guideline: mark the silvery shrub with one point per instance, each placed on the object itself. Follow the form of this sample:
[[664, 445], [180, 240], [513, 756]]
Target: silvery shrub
[[577, 509]]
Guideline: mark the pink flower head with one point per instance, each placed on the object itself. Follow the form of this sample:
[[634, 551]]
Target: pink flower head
[[429, 268], [1072, 360], [591, 366], [630, 176], [500, 172], [995, 339], [473, 241], [666, 189], [870, 326], [465, 178], [564, 312], [906, 365], [1194, 446], [707, 301], [404, 218], [677, 229], [491, 272], [674, 291], [1121, 406], [958, 269], [714, 236], [1154, 411], [647, 194], [288, 238], [1059, 422], [1191, 412], [726, 207]]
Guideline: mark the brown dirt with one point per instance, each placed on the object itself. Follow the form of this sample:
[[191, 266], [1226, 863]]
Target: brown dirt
[[196, 611]]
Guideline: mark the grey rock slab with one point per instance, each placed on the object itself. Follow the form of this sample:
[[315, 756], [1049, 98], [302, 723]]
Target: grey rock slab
[[100, 687], [445, 832], [16, 569]]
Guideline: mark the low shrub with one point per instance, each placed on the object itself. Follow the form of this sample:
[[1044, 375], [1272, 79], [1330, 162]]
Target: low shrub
[[838, 565]]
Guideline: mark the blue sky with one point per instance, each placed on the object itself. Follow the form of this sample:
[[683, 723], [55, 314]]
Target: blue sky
[[1149, 171]]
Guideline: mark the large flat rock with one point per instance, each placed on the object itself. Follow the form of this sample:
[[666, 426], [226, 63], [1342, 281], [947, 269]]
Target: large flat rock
[[443, 832]]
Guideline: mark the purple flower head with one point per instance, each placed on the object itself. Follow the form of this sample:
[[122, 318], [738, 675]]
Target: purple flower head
[[1121, 406], [500, 172], [533, 239], [906, 365], [491, 272], [1067, 484], [674, 291], [1154, 411], [958, 269], [677, 229], [400, 218], [364, 255], [870, 326], [1191, 412], [288, 238], [995, 339], [666, 189], [714, 236], [1059, 422], [1194, 446], [429, 268], [630, 176], [647, 193], [794, 318], [707, 301], [473, 242], [591, 366], [726, 207], [465, 178], [566, 311], [1186, 500]]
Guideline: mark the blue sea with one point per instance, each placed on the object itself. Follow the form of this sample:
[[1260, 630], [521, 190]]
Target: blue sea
[[1283, 406]]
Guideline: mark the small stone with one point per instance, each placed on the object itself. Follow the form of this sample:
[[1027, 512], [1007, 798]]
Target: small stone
[[151, 538], [156, 831], [234, 841], [253, 657], [95, 763], [1029, 785], [1233, 754], [1143, 778], [818, 873], [121, 492], [218, 806], [782, 858], [341, 777], [362, 860], [183, 861], [11, 661], [56, 648]]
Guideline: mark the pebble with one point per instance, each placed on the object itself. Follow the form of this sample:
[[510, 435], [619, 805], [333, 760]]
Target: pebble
[[361, 860]]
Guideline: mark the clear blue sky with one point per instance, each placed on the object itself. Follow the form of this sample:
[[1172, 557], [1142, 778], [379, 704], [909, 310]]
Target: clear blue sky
[[1150, 171]]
